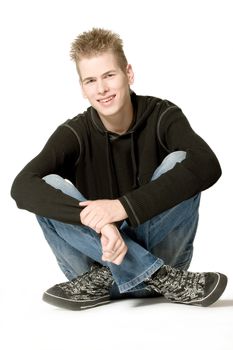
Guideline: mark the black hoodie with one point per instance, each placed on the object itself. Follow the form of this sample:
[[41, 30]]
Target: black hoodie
[[104, 165]]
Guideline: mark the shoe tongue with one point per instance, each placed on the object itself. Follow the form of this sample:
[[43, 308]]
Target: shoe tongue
[[164, 270], [95, 266]]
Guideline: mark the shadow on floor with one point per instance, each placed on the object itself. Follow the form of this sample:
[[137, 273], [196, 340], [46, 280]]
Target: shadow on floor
[[161, 300]]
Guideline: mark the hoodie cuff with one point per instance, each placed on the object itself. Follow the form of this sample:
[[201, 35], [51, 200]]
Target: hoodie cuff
[[133, 220]]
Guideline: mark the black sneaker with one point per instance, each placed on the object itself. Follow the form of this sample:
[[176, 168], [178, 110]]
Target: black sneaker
[[88, 290], [186, 287]]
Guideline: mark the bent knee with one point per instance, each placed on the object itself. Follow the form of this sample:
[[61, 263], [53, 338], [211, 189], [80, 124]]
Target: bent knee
[[175, 157], [53, 180]]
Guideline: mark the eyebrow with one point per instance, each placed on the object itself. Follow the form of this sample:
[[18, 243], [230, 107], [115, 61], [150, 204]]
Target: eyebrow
[[109, 71]]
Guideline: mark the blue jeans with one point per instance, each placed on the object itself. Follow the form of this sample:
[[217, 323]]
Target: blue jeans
[[166, 238]]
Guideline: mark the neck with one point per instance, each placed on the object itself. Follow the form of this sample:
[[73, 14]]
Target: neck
[[120, 122]]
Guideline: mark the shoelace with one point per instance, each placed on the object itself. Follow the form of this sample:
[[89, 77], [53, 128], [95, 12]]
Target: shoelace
[[183, 284], [97, 277], [173, 277]]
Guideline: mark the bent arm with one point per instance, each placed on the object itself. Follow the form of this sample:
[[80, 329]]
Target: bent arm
[[196, 173], [32, 193]]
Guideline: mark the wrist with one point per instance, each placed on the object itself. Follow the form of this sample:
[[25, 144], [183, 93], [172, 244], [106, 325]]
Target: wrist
[[106, 227], [122, 215]]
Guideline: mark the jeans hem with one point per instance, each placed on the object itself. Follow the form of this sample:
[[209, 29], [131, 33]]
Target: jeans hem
[[139, 279]]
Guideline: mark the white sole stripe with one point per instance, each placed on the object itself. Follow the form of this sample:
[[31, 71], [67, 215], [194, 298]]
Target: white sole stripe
[[70, 300]]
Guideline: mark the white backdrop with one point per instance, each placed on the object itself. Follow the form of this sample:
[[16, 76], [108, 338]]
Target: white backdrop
[[180, 50]]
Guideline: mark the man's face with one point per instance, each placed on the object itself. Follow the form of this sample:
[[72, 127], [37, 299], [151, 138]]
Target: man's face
[[104, 84]]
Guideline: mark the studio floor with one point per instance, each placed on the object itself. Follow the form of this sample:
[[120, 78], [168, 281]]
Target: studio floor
[[30, 324]]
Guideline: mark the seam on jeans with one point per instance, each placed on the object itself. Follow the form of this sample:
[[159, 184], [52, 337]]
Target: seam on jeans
[[139, 279], [158, 126], [78, 138], [132, 210]]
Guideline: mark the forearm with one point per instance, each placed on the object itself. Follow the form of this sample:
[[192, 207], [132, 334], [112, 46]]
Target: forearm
[[197, 172], [32, 193], [42, 199], [165, 192]]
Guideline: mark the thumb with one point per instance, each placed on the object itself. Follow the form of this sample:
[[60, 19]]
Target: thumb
[[104, 241], [84, 203]]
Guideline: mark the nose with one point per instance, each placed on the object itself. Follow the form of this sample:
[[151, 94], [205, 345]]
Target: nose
[[101, 87]]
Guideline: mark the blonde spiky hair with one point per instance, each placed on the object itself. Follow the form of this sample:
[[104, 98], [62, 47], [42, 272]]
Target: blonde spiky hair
[[95, 42]]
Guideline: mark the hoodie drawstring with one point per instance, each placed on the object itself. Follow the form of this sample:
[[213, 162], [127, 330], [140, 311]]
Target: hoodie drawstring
[[133, 158], [110, 168]]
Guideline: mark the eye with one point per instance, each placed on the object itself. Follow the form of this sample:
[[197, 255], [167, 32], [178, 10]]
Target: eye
[[110, 75], [89, 81]]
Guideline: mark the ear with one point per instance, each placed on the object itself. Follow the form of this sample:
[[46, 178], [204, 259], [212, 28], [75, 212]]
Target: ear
[[130, 74]]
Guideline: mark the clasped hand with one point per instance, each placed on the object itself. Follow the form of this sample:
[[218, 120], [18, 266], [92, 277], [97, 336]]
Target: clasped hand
[[100, 215], [101, 212], [113, 245]]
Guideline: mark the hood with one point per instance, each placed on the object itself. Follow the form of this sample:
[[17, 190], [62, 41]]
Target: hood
[[142, 107]]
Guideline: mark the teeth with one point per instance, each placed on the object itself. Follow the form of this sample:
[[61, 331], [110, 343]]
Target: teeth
[[107, 99]]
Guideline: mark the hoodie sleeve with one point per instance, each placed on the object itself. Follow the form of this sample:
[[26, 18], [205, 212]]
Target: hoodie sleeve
[[197, 172], [32, 193]]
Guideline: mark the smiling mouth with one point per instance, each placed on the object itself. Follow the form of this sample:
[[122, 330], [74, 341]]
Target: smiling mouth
[[107, 99]]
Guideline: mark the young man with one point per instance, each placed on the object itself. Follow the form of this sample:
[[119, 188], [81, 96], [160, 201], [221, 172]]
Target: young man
[[124, 223]]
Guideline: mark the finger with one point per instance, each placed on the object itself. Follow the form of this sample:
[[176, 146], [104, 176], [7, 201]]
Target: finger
[[119, 251], [85, 219], [84, 213], [118, 245], [112, 243], [120, 257], [108, 256], [104, 241], [101, 223], [84, 203], [114, 259], [87, 215], [93, 223], [93, 219], [111, 255]]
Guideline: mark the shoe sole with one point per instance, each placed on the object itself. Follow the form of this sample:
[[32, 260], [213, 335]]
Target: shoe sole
[[214, 295], [73, 304], [216, 292]]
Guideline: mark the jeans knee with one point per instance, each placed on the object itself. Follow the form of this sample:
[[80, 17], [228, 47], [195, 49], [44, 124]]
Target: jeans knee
[[63, 185], [174, 157], [169, 162], [53, 180]]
